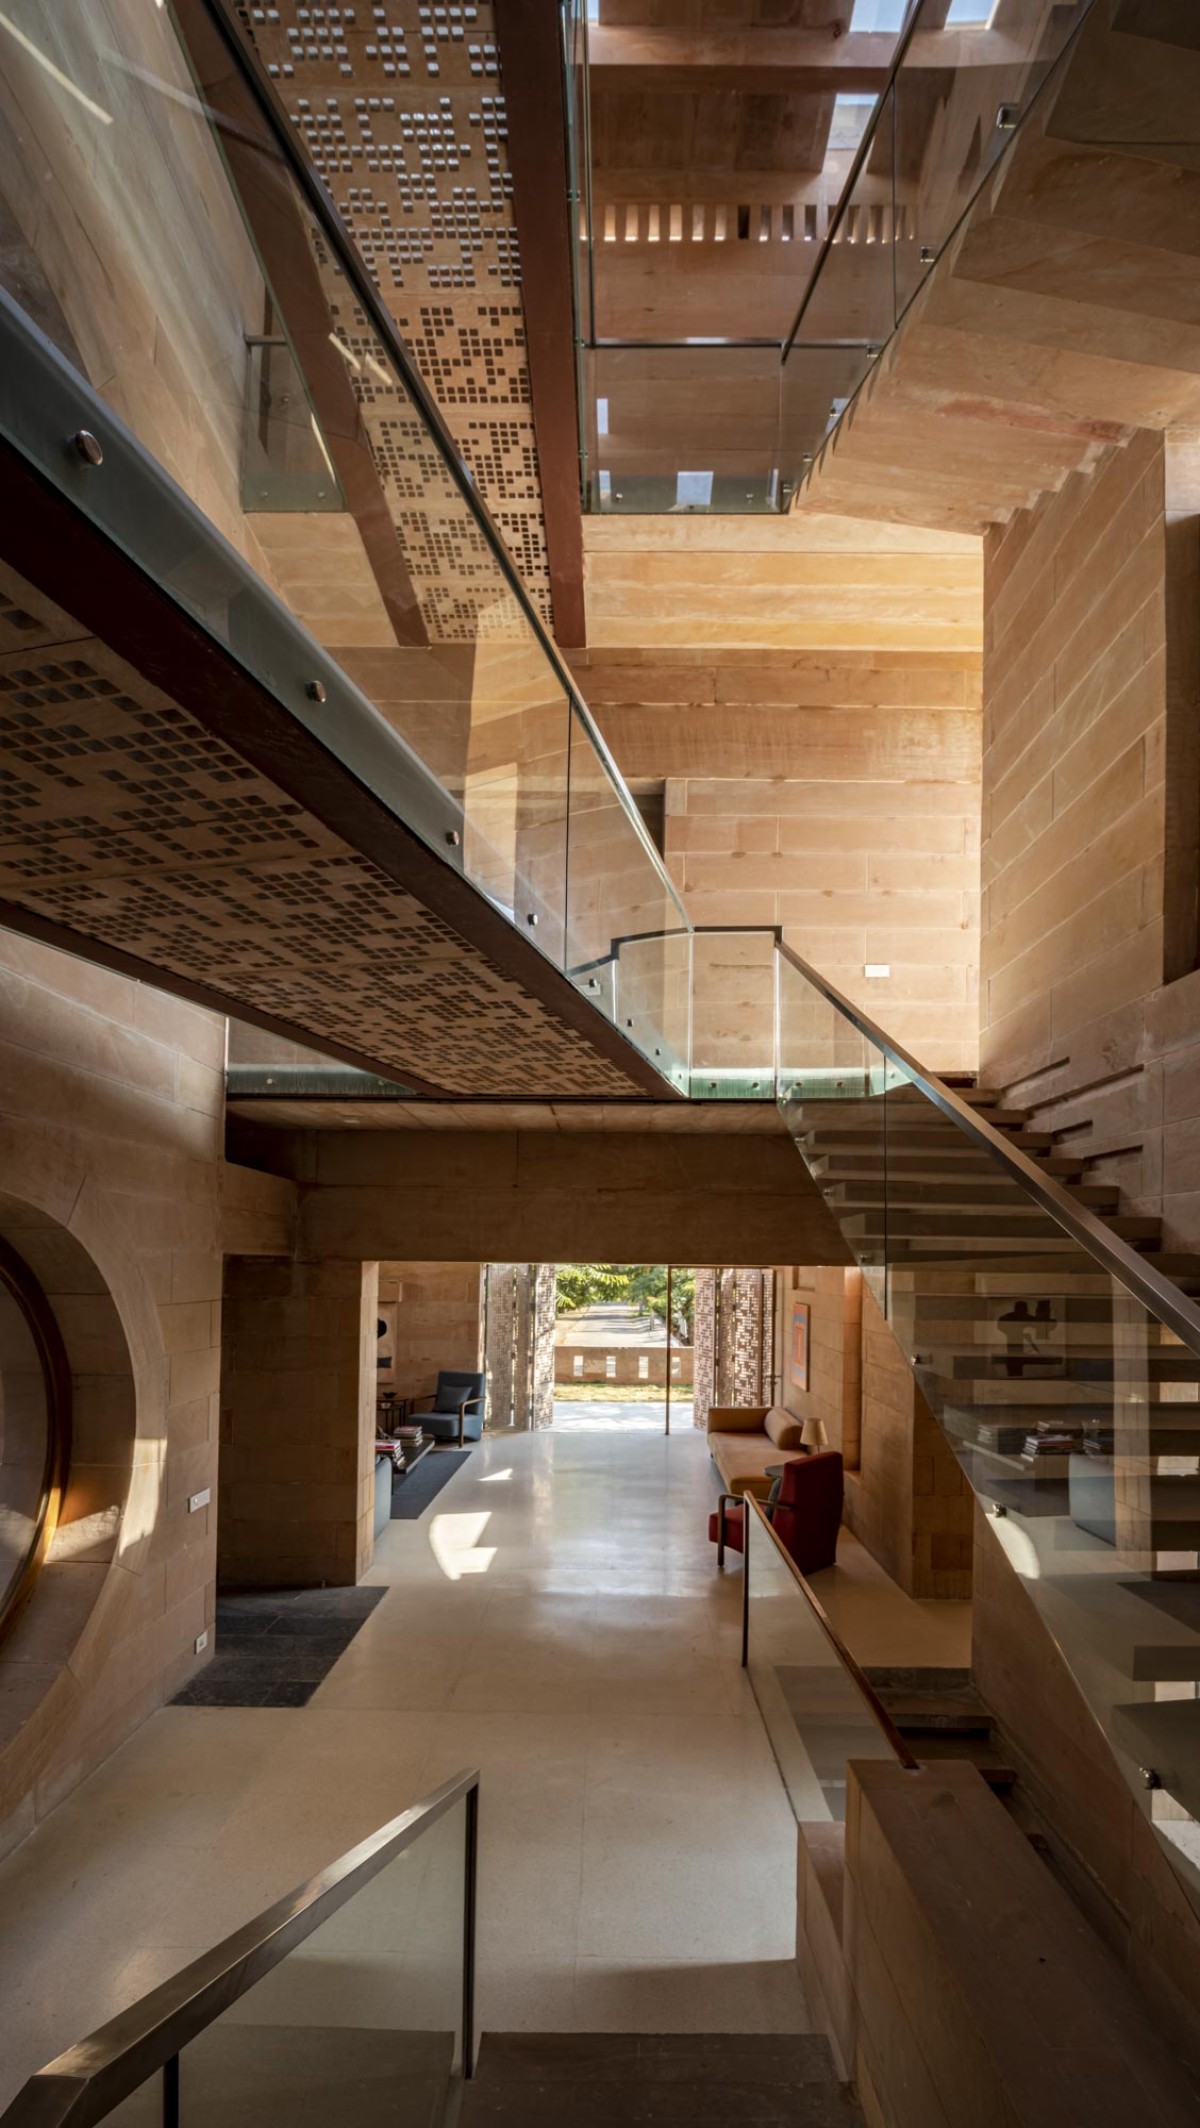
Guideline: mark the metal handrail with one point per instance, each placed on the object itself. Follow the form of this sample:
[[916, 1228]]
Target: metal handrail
[[84, 2084], [1155, 1292], [858, 1677], [853, 174], [864, 147], [322, 204]]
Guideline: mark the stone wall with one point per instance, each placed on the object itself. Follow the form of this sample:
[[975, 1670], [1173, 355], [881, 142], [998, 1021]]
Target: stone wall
[[297, 1478], [835, 793], [1089, 1002], [111, 1102], [906, 1498], [437, 1321]]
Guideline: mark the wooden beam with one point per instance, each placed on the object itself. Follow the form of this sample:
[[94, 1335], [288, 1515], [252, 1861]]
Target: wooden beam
[[532, 73]]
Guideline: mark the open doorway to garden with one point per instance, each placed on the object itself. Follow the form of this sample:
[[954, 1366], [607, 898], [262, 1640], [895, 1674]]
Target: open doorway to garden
[[624, 1347], [603, 1347]]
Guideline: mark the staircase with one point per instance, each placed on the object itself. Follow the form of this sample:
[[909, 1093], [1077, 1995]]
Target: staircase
[[606, 2080], [1072, 1409], [1065, 314]]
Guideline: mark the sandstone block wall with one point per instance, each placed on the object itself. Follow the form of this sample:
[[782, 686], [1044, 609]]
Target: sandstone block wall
[[111, 1109]]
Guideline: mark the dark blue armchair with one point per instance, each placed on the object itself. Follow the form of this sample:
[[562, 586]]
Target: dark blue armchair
[[455, 1410]]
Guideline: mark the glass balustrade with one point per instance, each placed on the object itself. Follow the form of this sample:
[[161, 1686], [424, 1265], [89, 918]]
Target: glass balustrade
[[964, 78], [353, 1998], [174, 279], [683, 430], [815, 1714], [1062, 1365]]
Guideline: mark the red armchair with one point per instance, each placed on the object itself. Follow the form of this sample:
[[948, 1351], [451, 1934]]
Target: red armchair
[[805, 1517]]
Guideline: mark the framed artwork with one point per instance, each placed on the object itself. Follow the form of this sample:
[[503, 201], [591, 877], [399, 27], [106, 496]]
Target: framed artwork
[[798, 1359]]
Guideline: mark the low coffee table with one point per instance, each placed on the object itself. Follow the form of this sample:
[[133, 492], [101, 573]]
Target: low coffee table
[[405, 1454]]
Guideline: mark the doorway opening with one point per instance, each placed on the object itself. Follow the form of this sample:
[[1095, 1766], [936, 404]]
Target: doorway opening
[[604, 1347], [624, 1348]]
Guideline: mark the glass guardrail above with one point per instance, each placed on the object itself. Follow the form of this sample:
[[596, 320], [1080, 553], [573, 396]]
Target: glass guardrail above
[[274, 462], [1059, 1349], [964, 78]]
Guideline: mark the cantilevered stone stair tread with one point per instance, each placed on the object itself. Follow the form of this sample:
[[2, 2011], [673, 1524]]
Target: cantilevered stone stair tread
[[1076, 1363], [1163, 1735], [1175, 1595], [605, 2080], [1123, 1630]]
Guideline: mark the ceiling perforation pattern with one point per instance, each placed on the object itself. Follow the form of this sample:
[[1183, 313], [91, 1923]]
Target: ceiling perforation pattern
[[123, 819], [401, 109]]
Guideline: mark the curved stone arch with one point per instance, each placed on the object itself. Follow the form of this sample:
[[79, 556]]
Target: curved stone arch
[[60, 1225]]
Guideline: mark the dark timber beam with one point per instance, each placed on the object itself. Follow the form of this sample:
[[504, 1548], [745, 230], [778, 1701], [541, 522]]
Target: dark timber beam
[[532, 73]]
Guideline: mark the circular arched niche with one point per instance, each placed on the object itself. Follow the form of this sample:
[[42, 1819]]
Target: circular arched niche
[[67, 1426]]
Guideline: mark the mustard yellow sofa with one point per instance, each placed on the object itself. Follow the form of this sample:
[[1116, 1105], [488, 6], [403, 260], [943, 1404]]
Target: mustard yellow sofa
[[744, 1438]]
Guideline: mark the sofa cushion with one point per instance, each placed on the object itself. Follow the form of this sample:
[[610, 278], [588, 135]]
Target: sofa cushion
[[741, 1459], [783, 1429]]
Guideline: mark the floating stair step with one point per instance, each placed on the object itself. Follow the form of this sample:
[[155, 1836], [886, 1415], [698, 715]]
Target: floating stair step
[[1169, 22], [1075, 1364], [1175, 1595], [1164, 1737], [951, 1162], [1123, 1630], [655, 2058], [1000, 1779], [994, 1192], [603, 2080]]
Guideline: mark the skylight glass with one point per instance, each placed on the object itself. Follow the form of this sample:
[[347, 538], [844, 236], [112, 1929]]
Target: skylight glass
[[878, 15], [969, 14], [851, 115]]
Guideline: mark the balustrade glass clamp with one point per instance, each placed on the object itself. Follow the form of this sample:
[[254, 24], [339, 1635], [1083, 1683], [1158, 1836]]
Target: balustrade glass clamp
[[1007, 117], [316, 691], [928, 255], [453, 837], [998, 1511], [531, 919], [88, 447], [1150, 1779]]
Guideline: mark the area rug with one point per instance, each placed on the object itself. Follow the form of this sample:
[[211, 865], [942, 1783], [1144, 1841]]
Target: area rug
[[275, 1646], [412, 1494]]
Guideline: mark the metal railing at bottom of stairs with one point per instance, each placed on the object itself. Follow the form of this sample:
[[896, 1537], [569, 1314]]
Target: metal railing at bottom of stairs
[[352, 1997]]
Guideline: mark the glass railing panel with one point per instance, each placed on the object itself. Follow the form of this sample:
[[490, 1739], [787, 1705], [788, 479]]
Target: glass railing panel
[[231, 327], [813, 1712], [353, 1998], [961, 90], [1072, 1404], [628, 945], [852, 293], [817, 385], [363, 2020], [285, 465], [733, 1015], [832, 1084], [684, 430]]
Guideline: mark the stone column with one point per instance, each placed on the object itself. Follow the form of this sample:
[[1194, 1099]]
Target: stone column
[[297, 1462]]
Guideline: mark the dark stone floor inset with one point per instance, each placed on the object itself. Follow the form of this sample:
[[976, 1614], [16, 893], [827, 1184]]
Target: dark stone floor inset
[[275, 1646]]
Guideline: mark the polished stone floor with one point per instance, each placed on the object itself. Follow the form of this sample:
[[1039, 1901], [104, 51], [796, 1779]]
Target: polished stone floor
[[555, 1620]]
